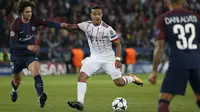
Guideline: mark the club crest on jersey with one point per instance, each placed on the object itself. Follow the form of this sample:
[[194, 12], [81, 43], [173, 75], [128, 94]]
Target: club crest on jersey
[[111, 32], [12, 33], [33, 28]]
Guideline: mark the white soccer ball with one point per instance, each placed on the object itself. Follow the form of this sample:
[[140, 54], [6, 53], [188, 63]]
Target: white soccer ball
[[119, 104]]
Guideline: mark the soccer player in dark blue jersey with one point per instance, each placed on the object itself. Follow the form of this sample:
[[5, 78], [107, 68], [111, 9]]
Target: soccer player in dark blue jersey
[[23, 49], [180, 29]]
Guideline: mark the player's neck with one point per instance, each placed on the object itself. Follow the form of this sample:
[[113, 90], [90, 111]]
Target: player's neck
[[96, 24], [24, 20]]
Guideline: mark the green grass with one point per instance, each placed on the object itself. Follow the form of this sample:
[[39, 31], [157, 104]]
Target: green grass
[[100, 93]]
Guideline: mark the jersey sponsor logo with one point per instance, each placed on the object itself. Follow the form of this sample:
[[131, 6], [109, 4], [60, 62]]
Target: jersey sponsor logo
[[12, 33], [33, 28], [28, 37]]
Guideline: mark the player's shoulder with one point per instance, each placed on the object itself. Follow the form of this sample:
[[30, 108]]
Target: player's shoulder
[[35, 18], [86, 23], [89, 22], [105, 25], [162, 16], [16, 21], [193, 13]]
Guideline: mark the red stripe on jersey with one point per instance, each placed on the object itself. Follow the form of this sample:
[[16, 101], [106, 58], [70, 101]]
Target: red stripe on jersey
[[77, 26], [114, 40]]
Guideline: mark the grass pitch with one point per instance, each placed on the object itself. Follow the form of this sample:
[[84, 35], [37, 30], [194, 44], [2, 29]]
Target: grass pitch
[[100, 93]]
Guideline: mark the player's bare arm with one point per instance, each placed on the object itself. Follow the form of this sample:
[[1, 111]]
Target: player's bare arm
[[118, 63], [158, 52], [33, 48], [69, 27]]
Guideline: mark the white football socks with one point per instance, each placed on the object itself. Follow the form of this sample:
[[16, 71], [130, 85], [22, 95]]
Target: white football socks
[[81, 86], [128, 79]]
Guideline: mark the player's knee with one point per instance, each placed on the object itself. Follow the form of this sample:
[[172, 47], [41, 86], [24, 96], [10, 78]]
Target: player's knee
[[166, 96], [82, 77], [17, 81], [35, 71], [119, 82], [197, 96]]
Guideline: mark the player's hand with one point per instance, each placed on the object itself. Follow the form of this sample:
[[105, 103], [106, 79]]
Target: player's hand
[[118, 65], [34, 48], [153, 78], [64, 25]]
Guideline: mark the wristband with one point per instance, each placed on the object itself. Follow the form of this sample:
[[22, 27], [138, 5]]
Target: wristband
[[118, 59]]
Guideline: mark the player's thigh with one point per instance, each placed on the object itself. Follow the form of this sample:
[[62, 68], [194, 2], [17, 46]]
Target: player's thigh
[[175, 81], [194, 80], [112, 70], [90, 66], [17, 66], [33, 65]]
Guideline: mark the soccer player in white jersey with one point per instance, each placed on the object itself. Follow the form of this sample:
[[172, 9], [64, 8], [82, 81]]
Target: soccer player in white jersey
[[100, 37]]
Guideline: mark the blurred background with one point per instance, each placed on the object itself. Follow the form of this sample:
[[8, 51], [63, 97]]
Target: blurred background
[[62, 51]]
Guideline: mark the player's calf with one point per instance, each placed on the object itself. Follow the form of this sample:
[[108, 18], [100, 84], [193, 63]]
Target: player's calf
[[163, 105], [38, 84]]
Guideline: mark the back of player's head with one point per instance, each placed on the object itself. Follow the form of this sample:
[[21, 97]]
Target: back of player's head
[[23, 4], [176, 1]]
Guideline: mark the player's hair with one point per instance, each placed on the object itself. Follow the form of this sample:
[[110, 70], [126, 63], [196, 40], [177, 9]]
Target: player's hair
[[96, 7], [22, 4]]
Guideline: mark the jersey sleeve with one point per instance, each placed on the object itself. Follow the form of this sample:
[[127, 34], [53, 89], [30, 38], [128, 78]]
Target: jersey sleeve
[[14, 31], [160, 28], [42, 22], [82, 26], [111, 34]]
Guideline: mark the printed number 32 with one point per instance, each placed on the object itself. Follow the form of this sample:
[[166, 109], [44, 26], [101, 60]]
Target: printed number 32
[[183, 42]]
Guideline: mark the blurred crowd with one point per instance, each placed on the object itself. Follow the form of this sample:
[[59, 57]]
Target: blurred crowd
[[133, 21]]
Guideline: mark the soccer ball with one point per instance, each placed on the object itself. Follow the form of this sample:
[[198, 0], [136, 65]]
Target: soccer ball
[[119, 104]]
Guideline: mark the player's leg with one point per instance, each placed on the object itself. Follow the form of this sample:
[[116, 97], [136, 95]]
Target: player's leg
[[17, 67], [195, 82], [15, 84], [34, 67], [175, 82], [116, 75], [89, 67]]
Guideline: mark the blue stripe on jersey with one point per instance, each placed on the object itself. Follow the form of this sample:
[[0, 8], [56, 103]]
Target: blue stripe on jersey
[[113, 36]]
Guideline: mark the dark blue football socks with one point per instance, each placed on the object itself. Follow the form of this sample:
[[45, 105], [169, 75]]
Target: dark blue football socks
[[38, 85]]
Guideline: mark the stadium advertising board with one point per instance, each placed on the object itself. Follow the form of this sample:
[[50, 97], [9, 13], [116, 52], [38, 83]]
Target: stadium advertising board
[[46, 69], [50, 69]]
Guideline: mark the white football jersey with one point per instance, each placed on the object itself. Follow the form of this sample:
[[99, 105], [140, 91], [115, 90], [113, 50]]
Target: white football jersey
[[99, 39]]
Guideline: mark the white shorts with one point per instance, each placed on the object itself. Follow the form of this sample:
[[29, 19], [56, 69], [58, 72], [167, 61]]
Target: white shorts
[[91, 66]]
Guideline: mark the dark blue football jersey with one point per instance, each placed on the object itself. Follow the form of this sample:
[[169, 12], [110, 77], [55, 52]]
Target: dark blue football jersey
[[23, 34], [181, 30]]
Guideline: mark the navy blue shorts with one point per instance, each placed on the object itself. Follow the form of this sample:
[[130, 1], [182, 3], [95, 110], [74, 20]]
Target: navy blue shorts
[[21, 63], [176, 79]]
